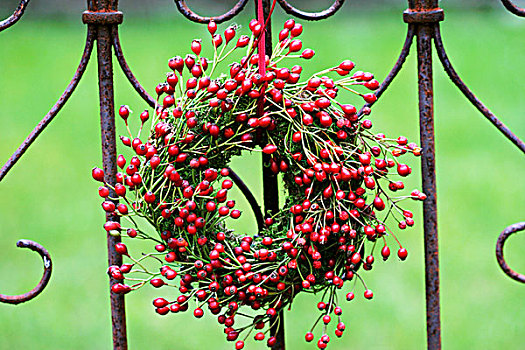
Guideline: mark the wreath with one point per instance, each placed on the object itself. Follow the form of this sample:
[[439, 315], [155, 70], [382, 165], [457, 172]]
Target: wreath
[[338, 175]]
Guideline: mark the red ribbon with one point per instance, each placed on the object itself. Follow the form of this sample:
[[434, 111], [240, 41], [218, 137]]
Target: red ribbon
[[262, 41]]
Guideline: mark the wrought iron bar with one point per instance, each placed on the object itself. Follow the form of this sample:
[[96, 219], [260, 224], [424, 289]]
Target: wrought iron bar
[[509, 5], [507, 232], [192, 16], [311, 16], [19, 12], [259, 218], [103, 15], [405, 51], [127, 71], [418, 13], [428, 169], [55, 109], [48, 267], [470, 96]]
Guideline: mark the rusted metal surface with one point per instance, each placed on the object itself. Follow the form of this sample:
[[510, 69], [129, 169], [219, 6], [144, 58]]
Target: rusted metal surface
[[428, 175], [507, 232], [509, 5], [311, 16], [192, 16], [109, 156], [19, 12], [48, 267], [127, 71], [54, 110], [428, 16], [102, 18], [256, 208], [470, 96], [107, 120]]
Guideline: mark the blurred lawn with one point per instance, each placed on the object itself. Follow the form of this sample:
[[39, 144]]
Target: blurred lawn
[[50, 197]]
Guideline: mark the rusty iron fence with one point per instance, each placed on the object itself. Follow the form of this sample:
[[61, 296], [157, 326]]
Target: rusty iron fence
[[423, 19]]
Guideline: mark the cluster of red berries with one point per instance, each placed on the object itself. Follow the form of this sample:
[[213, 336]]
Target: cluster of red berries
[[339, 176]]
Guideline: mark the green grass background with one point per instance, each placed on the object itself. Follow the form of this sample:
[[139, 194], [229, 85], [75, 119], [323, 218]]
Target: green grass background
[[49, 196]]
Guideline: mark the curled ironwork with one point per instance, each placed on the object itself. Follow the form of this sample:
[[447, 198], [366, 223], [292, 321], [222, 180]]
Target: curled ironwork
[[54, 110], [405, 50], [15, 17], [311, 16], [127, 71], [286, 6], [48, 266], [513, 8], [453, 75], [506, 233], [192, 16]]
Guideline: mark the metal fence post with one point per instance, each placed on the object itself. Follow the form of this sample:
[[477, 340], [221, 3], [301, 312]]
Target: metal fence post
[[270, 185], [424, 33], [100, 12]]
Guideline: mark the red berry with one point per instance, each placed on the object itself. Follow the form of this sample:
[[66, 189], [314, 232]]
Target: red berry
[[229, 33], [98, 174], [269, 149], [347, 65], [124, 112], [385, 252], [196, 47], [403, 169], [296, 45], [309, 337], [132, 233], [369, 294], [243, 41], [160, 302], [121, 249], [144, 116], [326, 319], [149, 197], [271, 341], [296, 30], [157, 282], [370, 98], [212, 27], [308, 53], [198, 312], [402, 253], [103, 191]]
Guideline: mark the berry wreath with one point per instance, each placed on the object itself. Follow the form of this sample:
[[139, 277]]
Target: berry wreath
[[336, 173]]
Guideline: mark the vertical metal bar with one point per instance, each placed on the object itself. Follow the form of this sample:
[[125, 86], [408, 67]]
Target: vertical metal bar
[[109, 155], [270, 186], [428, 172]]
